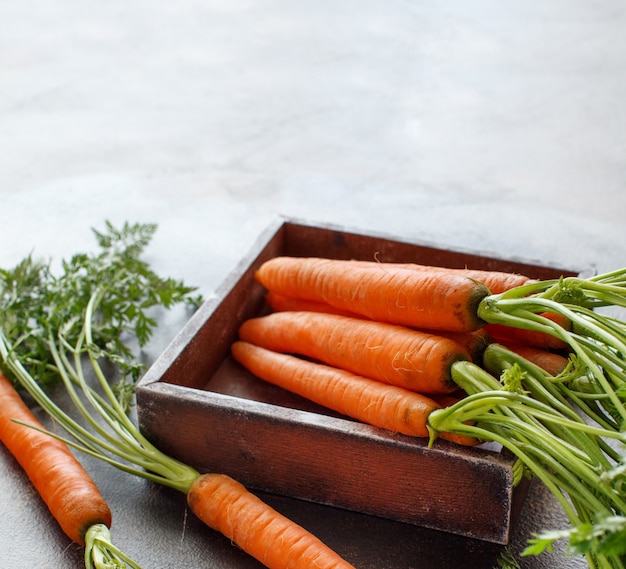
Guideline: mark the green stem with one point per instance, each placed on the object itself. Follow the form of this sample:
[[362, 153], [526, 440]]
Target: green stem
[[552, 392], [100, 553], [436, 426], [130, 446], [523, 313], [573, 442]]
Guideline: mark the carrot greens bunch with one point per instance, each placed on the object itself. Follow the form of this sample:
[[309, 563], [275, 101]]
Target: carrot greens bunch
[[35, 300], [592, 387], [41, 320], [516, 404], [597, 339], [79, 327]]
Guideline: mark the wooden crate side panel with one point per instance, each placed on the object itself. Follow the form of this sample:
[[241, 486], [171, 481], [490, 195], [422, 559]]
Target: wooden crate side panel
[[346, 467]]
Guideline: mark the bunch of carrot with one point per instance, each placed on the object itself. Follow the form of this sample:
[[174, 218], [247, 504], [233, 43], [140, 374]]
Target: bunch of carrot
[[388, 344], [219, 501], [375, 341], [505, 397], [67, 329]]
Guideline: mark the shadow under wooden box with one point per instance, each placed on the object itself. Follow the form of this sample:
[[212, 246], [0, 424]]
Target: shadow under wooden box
[[198, 405]]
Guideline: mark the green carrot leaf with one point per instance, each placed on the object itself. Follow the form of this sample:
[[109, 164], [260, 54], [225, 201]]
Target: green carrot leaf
[[35, 300]]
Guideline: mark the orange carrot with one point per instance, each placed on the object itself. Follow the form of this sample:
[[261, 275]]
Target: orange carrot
[[408, 358], [281, 303], [496, 281], [226, 506], [474, 342], [367, 400], [510, 334], [67, 489], [551, 362], [254, 526], [433, 301]]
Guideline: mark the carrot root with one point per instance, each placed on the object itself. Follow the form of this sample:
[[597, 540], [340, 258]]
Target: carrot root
[[63, 484], [416, 360], [227, 506], [510, 334], [427, 300], [551, 362], [361, 398], [281, 303], [386, 406]]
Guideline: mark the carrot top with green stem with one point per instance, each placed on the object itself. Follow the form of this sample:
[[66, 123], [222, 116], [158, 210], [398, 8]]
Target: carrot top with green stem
[[592, 386], [526, 413], [34, 304], [597, 339]]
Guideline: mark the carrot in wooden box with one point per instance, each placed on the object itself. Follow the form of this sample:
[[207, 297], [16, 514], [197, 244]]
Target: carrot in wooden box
[[386, 406], [282, 303], [397, 355], [552, 362], [435, 301], [474, 342], [521, 336]]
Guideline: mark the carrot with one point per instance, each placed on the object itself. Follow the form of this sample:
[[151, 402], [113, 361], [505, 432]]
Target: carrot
[[551, 362], [496, 281], [227, 506], [247, 521], [448, 399], [435, 301], [474, 342], [73, 326], [416, 360], [386, 406], [66, 488], [510, 334], [281, 303]]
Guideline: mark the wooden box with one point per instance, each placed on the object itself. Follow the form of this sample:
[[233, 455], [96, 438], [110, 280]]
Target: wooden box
[[198, 405]]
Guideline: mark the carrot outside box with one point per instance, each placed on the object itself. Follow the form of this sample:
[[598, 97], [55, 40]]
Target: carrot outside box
[[199, 406]]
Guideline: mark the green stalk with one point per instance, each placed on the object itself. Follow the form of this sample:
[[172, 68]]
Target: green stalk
[[466, 374], [582, 495], [497, 359], [440, 421], [138, 456], [523, 313], [100, 553], [518, 422], [552, 441]]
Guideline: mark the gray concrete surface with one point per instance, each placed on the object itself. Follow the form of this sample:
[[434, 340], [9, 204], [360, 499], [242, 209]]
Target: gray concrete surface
[[492, 126]]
